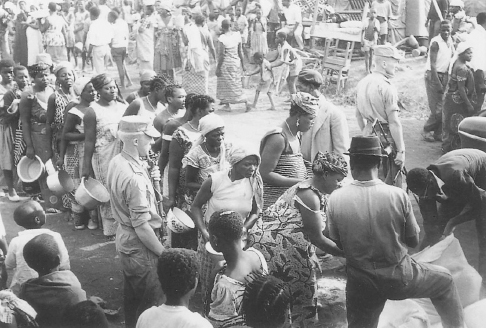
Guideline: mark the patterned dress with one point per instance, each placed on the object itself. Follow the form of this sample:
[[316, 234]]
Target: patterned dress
[[195, 77], [167, 49], [55, 43], [229, 88], [289, 252], [259, 37], [106, 147], [290, 164]]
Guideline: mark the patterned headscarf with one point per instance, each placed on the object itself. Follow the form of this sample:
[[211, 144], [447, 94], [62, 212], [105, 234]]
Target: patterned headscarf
[[306, 102], [38, 68], [207, 124], [236, 155], [329, 162]]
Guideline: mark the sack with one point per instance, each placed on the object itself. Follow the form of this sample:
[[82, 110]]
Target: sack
[[403, 314]]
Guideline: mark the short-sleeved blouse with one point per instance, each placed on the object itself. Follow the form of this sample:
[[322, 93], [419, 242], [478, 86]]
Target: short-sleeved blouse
[[206, 164]]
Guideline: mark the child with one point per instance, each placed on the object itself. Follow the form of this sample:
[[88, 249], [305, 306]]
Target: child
[[54, 291], [31, 216], [369, 38], [383, 11], [267, 83], [6, 129], [177, 269], [86, 314], [259, 34], [225, 235]]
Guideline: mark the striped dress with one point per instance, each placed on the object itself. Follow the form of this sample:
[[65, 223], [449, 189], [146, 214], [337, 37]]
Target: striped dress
[[229, 88], [290, 165]]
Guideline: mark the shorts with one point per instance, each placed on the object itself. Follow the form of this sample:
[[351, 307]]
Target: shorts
[[119, 53], [295, 67], [266, 87], [368, 45], [384, 27]]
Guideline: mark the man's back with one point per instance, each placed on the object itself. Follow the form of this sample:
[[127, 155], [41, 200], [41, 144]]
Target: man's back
[[371, 220]]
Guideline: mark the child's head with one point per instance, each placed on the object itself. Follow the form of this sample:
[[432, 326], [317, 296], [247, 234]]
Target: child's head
[[258, 57], [259, 13], [266, 302], [30, 215], [6, 70], [372, 13], [177, 270], [86, 314], [21, 76], [225, 229], [41, 253]]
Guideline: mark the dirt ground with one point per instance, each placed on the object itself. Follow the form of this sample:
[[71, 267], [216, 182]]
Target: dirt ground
[[95, 261]]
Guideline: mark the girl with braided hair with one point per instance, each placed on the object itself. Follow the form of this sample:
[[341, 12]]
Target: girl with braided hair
[[151, 105], [294, 226], [101, 142]]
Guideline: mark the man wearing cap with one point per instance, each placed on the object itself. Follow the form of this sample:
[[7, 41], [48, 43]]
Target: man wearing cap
[[134, 208], [374, 230], [457, 182], [436, 77], [377, 104], [330, 131]]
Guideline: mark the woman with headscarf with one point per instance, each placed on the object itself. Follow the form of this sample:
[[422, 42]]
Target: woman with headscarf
[[199, 42], [282, 163], [460, 98], [238, 189], [181, 142], [293, 227], [56, 105], [167, 51], [72, 145], [54, 30], [33, 111], [228, 70], [101, 143], [209, 154]]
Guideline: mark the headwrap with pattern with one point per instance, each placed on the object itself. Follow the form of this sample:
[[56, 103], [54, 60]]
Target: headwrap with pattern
[[38, 68], [329, 162], [306, 102], [236, 155]]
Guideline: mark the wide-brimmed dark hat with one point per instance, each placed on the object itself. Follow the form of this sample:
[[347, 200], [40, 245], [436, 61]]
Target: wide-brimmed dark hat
[[368, 146]]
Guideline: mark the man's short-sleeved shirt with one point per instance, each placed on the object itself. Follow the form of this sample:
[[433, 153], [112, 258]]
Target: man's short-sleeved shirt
[[376, 97], [100, 33], [131, 197], [293, 14], [371, 220]]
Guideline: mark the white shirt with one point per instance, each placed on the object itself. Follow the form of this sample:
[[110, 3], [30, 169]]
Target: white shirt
[[104, 11], [166, 316], [100, 33], [444, 55], [477, 38], [15, 256], [120, 38], [293, 14]]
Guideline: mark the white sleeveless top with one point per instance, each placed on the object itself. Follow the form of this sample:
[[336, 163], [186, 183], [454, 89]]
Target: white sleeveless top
[[148, 111], [444, 56]]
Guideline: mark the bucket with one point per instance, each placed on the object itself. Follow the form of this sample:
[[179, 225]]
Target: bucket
[[245, 81], [91, 193], [60, 183], [30, 170], [472, 131]]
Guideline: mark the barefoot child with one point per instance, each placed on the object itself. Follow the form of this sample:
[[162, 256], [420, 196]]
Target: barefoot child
[[31, 216], [226, 236], [369, 38], [266, 79]]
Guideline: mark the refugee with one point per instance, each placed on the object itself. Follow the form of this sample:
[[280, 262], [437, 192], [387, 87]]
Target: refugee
[[293, 18], [85, 314], [384, 12], [374, 230], [439, 59], [456, 181], [54, 30], [30, 216], [377, 104], [434, 19], [175, 96], [282, 163], [119, 45], [477, 63], [167, 47], [178, 275], [298, 217], [145, 79], [226, 236], [98, 39], [7, 127], [134, 208], [330, 132], [145, 34], [267, 79], [55, 290], [369, 38], [151, 105]]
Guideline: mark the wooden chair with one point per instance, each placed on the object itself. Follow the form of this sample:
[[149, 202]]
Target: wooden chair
[[336, 63]]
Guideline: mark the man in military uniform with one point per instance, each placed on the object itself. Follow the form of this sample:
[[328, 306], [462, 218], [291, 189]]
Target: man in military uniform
[[134, 207], [377, 111]]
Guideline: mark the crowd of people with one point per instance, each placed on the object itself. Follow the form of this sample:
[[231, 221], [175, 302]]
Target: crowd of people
[[266, 211]]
